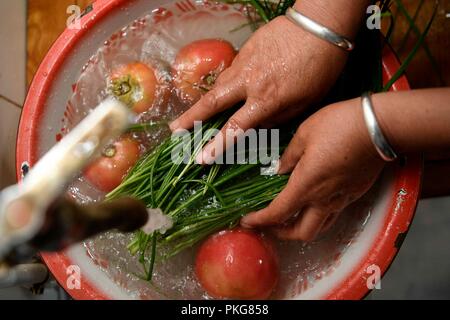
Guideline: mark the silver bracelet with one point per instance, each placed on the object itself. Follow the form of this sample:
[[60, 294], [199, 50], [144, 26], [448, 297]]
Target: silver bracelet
[[318, 30], [376, 135]]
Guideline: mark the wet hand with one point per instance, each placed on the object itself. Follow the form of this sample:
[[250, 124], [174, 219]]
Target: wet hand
[[280, 66], [333, 163]]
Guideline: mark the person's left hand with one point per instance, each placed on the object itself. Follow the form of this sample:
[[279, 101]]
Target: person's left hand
[[333, 163]]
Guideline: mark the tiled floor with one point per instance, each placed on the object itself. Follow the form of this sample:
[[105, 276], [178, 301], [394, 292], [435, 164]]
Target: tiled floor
[[421, 269]]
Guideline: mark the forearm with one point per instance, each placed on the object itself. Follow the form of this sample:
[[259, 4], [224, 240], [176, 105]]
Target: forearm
[[415, 121], [341, 16]]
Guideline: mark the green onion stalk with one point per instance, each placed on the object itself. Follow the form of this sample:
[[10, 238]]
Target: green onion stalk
[[199, 199]]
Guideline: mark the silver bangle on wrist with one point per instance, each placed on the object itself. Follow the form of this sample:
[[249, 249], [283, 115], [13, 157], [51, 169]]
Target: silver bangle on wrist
[[380, 142], [318, 30]]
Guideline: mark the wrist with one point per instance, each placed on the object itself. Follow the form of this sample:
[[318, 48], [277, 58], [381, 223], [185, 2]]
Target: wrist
[[336, 15], [384, 122], [316, 58], [362, 134], [305, 41]]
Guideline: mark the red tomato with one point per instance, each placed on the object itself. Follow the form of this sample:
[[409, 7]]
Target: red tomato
[[237, 264], [198, 65], [135, 84], [108, 171]]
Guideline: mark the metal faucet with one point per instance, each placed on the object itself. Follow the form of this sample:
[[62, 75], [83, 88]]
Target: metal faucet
[[36, 216]]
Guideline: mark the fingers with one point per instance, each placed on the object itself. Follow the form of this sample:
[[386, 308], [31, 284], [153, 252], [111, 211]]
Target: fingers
[[247, 117], [306, 228], [286, 205], [220, 98], [291, 155]]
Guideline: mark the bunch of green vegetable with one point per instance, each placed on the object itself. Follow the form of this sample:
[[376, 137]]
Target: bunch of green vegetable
[[199, 199]]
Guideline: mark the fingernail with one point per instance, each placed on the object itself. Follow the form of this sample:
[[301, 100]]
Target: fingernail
[[244, 220], [204, 156], [174, 125], [245, 225], [277, 166], [210, 153], [199, 158], [180, 132]]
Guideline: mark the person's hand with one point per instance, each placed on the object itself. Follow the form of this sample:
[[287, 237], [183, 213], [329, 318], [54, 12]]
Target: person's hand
[[333, 163], [281, 66]]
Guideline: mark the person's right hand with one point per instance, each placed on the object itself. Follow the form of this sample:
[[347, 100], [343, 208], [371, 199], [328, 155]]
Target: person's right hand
[[279, 72]]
